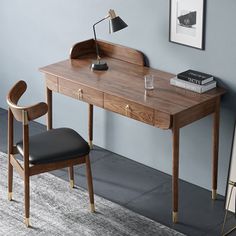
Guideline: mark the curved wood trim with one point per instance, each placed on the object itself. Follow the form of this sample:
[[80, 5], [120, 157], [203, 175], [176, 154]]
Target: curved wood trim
[[108, 49], [16, 92], [82, 48]]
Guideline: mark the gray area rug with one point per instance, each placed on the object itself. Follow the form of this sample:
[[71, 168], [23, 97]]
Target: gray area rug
[[58, 210]]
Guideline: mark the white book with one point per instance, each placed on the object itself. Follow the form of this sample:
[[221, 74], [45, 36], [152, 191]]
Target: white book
[[191, 86]]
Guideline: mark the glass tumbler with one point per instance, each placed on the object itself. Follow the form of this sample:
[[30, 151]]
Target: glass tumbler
[[148, 82]]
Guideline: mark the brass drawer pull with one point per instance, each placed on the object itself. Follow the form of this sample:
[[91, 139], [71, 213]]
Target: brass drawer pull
[[127, 110], [80, 93]]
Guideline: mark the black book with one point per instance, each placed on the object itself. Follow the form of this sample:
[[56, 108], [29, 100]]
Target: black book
[[195, 77]]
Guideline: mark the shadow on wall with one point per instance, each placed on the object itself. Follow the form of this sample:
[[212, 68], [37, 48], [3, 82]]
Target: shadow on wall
[[229, 99]]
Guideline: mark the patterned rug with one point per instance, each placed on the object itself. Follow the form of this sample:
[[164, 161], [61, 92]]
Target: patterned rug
[[58, 210]]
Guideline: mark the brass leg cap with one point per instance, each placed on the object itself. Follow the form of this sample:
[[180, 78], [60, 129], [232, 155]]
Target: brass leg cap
[[10, 196], [175, 217], [214, 193], [91, 144], [27, 222], [92, 207], [72, 183]]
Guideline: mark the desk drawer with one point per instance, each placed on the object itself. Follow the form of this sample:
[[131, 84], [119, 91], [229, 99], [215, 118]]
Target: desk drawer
[[51, 82], [81, 92], [129, 109]]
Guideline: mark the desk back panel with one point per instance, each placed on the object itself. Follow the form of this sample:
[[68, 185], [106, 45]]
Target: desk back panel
[[108, 49]]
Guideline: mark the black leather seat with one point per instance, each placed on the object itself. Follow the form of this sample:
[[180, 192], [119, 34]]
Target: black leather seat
[[55, 145]]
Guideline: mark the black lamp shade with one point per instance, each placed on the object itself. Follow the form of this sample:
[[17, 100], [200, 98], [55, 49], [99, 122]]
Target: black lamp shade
[[116, 24]]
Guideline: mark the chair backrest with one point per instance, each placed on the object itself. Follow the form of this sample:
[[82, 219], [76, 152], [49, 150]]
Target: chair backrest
[[24, 114]]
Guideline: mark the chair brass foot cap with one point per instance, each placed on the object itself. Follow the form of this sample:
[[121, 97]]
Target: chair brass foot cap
[[72, 183], [27, 222], [175, 217], [10, 196], [92, 207], [214, 193], [91, 144]]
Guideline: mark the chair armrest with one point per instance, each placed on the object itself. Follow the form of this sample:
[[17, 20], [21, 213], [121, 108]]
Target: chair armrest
[[37, 110]]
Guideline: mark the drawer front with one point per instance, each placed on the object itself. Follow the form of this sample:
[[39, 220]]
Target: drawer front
[[162, 120], [129, 109], [81, 92], [51, 82]]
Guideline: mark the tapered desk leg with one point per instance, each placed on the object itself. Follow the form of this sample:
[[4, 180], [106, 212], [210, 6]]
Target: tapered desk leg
[[49, 102], [216, 126], [90, 126], [175, 173]]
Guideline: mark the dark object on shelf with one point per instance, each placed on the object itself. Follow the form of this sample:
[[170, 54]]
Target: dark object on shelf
[[195, 77], [188, 20], [115, 24]]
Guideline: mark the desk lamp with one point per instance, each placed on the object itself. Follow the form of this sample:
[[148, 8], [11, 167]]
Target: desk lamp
[[115, 24]]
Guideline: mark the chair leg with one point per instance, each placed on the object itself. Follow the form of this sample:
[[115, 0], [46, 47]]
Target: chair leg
[[90, 183], [71, 176], [27, 200], [10, 179]]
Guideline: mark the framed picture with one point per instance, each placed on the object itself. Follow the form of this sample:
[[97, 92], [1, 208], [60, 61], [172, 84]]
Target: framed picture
[[230, 190], [187, 22]]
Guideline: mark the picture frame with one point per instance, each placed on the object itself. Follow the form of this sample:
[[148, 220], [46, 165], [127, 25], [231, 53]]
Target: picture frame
[[231, 205], [187, 23]]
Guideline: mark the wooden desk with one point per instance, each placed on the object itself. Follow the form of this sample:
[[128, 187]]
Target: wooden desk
[[121, 90]]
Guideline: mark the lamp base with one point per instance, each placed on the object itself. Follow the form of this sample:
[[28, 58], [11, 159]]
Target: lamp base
[[99, 65]]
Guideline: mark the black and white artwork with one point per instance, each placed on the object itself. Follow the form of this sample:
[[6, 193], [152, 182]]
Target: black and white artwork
[[187, 22]]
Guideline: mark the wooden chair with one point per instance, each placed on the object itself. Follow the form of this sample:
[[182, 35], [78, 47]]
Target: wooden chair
[[47, 151]]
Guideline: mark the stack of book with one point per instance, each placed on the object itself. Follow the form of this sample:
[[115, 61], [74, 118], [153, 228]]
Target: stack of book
[[194, 80]]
